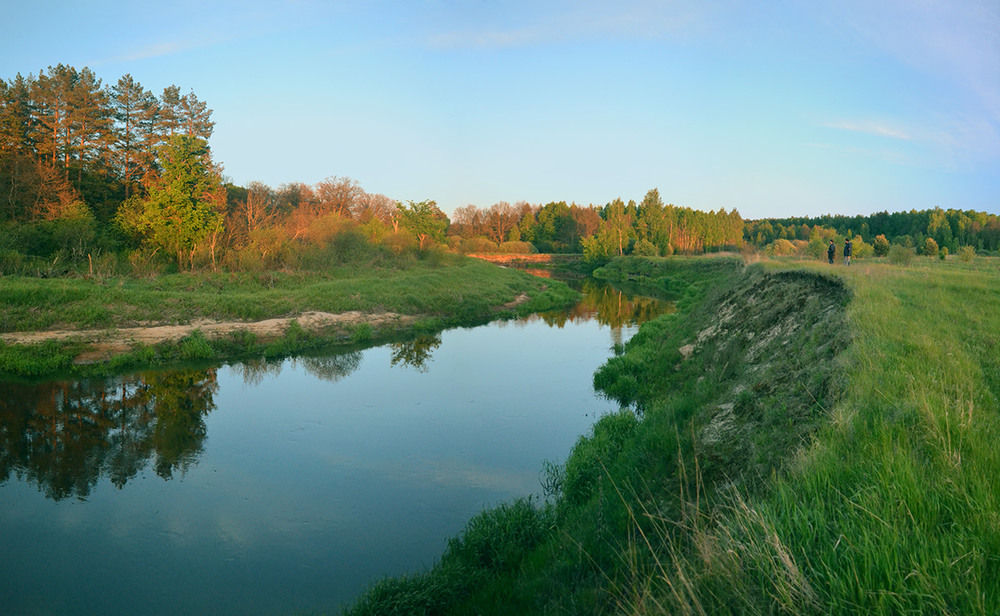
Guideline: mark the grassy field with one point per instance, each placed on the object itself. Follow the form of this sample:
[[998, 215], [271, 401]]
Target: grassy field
[[456, 291], [803, 439]]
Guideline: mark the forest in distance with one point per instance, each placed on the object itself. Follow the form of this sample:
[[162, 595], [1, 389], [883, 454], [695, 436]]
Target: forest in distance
[[116, 179]]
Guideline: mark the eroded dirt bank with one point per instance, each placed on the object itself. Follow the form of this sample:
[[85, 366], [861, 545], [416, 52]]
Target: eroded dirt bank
[[105, 343]]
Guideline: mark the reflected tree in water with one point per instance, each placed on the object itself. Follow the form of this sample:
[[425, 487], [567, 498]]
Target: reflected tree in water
[[253, 372], [331, 367], [415, 353], [610, 306], [64, 436]]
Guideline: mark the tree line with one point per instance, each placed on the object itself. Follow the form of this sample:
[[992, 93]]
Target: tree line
[[116, 176], [950, 229], [66, 139], [649, 228]]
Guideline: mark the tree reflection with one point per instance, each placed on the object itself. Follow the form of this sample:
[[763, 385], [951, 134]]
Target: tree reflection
[[331, 367], [415, 353], [609, 306], [64, 436]]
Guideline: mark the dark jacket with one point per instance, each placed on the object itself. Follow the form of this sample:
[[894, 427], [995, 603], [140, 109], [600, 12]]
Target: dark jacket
[[847, 248], [832, 249]]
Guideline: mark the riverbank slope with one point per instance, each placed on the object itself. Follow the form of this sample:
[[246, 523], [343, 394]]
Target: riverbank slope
[[800, 439]]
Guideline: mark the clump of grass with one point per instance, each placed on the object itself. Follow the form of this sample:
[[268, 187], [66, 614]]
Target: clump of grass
[[195, 346], [492, 544], [361, 333], [36, 360]]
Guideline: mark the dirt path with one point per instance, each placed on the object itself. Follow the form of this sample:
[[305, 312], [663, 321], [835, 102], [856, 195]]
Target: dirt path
[[107, 342]]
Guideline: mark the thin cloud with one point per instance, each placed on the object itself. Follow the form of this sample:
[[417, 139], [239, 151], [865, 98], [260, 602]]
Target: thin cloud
[[583, 20], [878, 129], [157, 50]]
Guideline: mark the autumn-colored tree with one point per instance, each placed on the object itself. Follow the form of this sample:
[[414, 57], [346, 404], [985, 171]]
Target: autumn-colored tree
[[338, 194], [500, 218]]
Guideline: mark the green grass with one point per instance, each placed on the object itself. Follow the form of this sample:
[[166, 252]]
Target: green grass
[[459, 291], [844, 463], [902, 486]]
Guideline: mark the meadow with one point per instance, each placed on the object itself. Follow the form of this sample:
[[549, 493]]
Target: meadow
[[799, 439]]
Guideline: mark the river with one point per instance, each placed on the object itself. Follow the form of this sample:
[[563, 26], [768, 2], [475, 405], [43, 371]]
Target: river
[[287, 487]]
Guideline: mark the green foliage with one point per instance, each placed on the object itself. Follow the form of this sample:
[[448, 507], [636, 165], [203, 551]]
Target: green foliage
[[930, 248], [424, 220], [195, 346], [497, 539], [180, 210], [881, 246], [780, 248], [592, 455], [966, 254], [36, 360], [645, 248], [492, 544], [362, 333], [901, 255]]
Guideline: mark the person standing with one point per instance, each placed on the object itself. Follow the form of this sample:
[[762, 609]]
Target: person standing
[[831, 251], [847, 251]]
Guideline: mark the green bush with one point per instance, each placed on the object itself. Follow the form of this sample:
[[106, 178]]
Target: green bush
[[645, 248], [881, 246], [966, 253], [901, 255]]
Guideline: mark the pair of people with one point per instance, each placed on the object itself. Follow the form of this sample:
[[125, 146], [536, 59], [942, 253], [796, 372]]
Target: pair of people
[[848, 248]]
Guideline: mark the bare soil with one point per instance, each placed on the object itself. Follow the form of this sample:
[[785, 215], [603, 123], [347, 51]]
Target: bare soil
[[104, 343]]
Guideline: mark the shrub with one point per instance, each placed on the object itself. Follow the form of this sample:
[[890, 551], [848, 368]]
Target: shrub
[[930, 247], [881, 246], [944, 253], [645, 248], [517, 248], [966, 253], [817, 248], [901, 255], [400, 241], [861, 249], [779, 248]]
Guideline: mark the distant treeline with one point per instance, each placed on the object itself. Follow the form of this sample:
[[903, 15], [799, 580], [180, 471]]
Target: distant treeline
[[649, 227], [951, 229], [116, 177]]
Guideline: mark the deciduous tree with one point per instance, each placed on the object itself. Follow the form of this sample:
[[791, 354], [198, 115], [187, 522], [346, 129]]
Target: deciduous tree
[[424, 220], [182, 208]]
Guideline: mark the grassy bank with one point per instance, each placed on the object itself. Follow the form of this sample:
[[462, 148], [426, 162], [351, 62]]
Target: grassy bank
[[803, 440], [439, 294]]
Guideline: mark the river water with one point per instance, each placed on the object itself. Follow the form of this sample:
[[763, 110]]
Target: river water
[[287, 487]]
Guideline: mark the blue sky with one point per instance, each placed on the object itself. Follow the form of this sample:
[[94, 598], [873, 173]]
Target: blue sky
[[774, 108]]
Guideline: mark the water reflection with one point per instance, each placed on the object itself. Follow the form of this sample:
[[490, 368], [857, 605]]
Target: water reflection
[[64, 436], [609, 306], [415, 353], [319, 475]]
